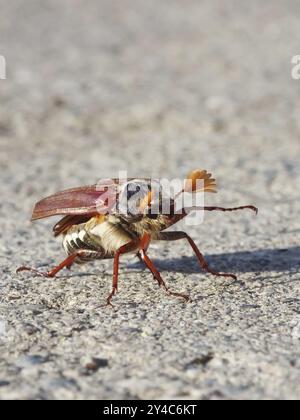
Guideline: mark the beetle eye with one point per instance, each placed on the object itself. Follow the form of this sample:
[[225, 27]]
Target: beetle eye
[[130, 197], [130, 191]]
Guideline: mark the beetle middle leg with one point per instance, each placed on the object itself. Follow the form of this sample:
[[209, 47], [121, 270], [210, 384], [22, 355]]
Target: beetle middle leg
[[175, 236], [158, 277], [131, 246], [67, 263]]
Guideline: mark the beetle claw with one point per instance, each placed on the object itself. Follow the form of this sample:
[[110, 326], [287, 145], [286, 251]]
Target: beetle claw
[[35, 271], [179, 295]]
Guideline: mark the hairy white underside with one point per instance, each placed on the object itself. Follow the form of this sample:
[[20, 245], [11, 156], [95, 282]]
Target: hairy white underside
[[112, 236]]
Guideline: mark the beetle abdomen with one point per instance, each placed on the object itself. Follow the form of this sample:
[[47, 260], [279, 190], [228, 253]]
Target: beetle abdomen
[[101, 238], [76, 239]]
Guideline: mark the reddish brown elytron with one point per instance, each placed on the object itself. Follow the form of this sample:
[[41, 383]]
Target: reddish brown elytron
[[95, 225]]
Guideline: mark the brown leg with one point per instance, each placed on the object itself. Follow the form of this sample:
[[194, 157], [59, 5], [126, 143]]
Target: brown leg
[[179, 216], [67, 263], [158, 277], [175, 236], [140, 257], [255, 209], [213, 208], [131, 246], [144, 245]]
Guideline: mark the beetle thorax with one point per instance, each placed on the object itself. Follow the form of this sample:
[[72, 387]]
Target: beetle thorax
[[151, 226]]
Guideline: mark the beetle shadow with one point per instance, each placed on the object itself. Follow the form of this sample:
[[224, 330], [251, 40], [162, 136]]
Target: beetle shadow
[[262, 260], [284, 259]]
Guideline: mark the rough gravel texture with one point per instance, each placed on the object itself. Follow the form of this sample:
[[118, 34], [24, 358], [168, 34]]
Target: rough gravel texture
[[157, 88]]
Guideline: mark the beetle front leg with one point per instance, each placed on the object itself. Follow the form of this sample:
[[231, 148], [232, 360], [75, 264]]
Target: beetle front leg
[[222, 209], [225, 209], [67, 263], [175, 236]]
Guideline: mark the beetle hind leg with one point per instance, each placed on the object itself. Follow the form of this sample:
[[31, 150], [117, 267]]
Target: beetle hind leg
[[35, 271], [67, 263]]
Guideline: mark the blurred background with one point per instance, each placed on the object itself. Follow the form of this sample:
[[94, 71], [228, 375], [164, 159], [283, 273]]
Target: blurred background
[[158, 88]]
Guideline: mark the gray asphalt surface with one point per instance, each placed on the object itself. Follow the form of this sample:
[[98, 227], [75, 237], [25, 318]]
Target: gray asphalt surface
[[156, 88]]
